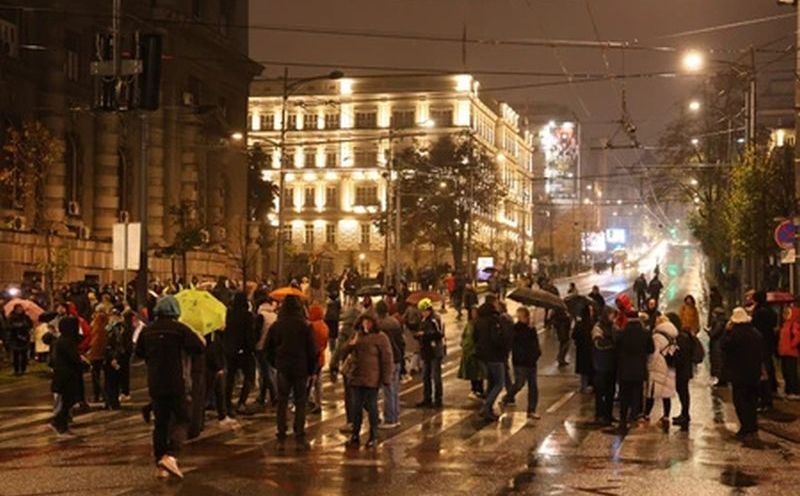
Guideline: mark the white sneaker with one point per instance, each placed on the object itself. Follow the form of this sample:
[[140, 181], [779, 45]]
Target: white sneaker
[[387, 426], [534, 416], [170, 464], [229, 423], [124, 397], [66, 436], [162, 473]]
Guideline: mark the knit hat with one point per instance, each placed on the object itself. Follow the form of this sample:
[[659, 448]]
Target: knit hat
[[168, 307], [739, 316]]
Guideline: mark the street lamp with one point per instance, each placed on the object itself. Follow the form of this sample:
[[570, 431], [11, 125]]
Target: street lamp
[[694, 106], [288, 89], [693, 61]]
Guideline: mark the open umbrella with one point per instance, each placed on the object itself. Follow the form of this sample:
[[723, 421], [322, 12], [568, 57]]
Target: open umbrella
[[31, 308], [201, 311], [537, 298], [416, 296], [576, 303], [780, 297], [281, 293], [371, 290]]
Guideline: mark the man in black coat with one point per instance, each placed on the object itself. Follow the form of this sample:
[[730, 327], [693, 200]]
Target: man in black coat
[[163, 345], [765, 320], [744, 346], [240, 342], [684, 370], [67, 374], [492, 346], [292, 351], [431, 351], [633, 345]]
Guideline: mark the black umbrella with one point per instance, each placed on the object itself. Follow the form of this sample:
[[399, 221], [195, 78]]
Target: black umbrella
[[372, 290], [537, 298], [577, 303]]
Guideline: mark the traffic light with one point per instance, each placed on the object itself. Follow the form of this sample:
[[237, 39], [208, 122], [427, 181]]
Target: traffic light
[[150, 79]]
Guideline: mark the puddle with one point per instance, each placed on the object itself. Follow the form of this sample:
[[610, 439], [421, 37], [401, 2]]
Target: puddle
[[733, 477]]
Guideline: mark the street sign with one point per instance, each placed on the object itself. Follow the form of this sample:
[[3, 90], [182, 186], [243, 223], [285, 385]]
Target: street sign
[[786, 234], [788, 256], [119, 242]]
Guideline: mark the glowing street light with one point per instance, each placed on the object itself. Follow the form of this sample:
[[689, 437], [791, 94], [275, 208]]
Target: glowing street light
[[237, 136], [693, 61], [694, 106], [695, 141]]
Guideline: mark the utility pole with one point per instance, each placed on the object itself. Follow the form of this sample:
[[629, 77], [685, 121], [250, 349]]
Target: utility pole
[[282, 181], [796, 267]]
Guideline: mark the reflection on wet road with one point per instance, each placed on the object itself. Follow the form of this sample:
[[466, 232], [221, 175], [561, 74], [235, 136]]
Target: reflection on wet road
[[432, 452]]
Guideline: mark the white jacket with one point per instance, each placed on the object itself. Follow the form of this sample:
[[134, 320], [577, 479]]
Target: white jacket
[[267, 311], [660, 377]]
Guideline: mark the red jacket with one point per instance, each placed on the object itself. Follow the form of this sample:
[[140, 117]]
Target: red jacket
[[320, 328], [789, 338]]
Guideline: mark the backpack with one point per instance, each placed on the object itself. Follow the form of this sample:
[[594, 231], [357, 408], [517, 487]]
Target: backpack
[[698, 352], [672, 346]]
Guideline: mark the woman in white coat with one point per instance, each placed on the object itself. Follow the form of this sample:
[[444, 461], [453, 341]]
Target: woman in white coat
[[661, 369]]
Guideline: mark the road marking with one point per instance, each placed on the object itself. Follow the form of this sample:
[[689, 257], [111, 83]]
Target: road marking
[[561, 402]]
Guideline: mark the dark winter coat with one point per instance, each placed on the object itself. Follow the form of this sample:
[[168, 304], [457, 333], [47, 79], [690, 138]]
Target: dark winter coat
[[118, 343], [654, 288], [431, 343], [491, 343], [765, 321], [333, 310], [525, 349], [603, 352], [684, 366], [162, 345], [373, 365], [561, 323], [743, 345], [394, 331], [291, 347], [470, 298], [18, 328], [215, 351], [67, 365], [582, 335], [240, 335], [715, 333], [633, 344]]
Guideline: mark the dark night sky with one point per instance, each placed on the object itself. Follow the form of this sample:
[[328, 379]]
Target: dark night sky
[[652, 102]]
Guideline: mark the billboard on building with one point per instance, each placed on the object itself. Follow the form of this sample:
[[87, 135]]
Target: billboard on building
[[616, 237], [559, 142], [594, 242]]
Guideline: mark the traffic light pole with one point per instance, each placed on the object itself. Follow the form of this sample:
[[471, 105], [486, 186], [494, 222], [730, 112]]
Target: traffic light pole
[[142, 274]]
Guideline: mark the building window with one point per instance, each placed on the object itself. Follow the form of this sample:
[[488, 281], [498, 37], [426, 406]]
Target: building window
[[366, 230], [308, 201], [330, 234], [365, 158], [402, 119], [288, 197], [287, 233], [331, 197], [331, 158], [309, 157], [442, 117], [72, 64], [333, 121], [366, 195], [291, 121], [267, 122], [366, 120], [309, 234], [289, 161]]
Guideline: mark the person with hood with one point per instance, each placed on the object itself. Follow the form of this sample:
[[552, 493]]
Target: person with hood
[[265, 317], [320, 329], [582, 335], [561, 323], [654, 288], [163, 345], [293, 353], [525, 353], [470, 297], [604, 365], [689, 315], [97, 350], [661, 370], [765, 320], [788, 351], [714, 301], [470, 367], [431, 349], [640, 289], [744, 346], [18, 330], [634, 345], [67, 374], [239, 348], [390, 326], [492, 346], [333, 311], [684, 369], [716, 330], [346, 332], [372, 368], [597, 298]]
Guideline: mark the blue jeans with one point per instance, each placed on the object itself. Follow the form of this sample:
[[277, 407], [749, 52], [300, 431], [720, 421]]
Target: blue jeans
[[496, 372], [432, 377], [527, 375], [391, 398], [365, 398]]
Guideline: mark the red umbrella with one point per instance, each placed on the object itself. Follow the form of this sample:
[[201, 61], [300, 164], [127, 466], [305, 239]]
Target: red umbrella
[[780, 297], [31, 308], [281, 293], [417, 296]]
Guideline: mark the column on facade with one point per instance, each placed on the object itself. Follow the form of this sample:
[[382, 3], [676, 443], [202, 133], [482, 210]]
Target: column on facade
[[155, 179], [215, 206], [53, 117], [106, 177], [171, 168], [189, 178]]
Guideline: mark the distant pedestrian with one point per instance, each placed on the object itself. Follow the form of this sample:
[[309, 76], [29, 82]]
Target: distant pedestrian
[[265, 317], [97, 347], [525, 355], [582, 335], [239, 352], [333, 311], [654, 288], [320, 329], [684, 370], [68, 369], [163, 345], [431, 348], [597, 298], [340, 364], [18, 329], [788, 351], [561, 323], [604, 364], [690, 317], [634, 345], [743, 346], [640, 289], [471, 368], [716, 331], [765, 320]]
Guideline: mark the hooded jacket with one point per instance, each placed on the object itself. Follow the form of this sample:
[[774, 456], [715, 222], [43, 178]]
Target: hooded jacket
[[67, 363], [633, 344], [743, 345], [661, 377], [789, 338], [321, 331], [291, 347], [492, 344], [162, 345], [239, 329], [264, 319], [373, 364]]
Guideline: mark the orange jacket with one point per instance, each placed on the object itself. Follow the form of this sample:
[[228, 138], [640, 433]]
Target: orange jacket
[[320, 328], [789, 338]]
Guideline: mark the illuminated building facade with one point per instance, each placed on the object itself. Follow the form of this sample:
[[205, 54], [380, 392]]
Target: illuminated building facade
[[337, 139]]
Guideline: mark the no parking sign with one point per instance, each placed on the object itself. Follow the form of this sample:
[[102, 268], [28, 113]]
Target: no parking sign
[[786, 234]]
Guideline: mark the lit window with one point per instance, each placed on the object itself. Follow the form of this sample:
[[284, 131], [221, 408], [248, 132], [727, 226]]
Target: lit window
[[287, 233], [333, 121], [442, 117], [366, 120], [267, 122], [288, 197], [291, 121], [309, 234], [331, 159], [330, 234], [403, 119], [308, 201], [365, 233], [366, 195], [331, 196]]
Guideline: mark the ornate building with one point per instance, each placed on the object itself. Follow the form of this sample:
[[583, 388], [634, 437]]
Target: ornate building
[[337, 136], [45, 76]]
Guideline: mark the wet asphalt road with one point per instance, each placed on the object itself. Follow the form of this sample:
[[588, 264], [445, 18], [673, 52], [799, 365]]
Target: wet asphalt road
[[433, 452]]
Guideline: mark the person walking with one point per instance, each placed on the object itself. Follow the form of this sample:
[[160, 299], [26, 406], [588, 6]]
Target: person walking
[[346, 332], [163, 345], [372, 367], [661, 370], [690, 317], [582, 335], [470, 367], [493, 346], [633, 344], [117, 349], [264, 319], [239, 348], [765, 320], [18, 330], [744, 346], [320, 330], [654, 288], [684, 370], [67, 375], [604, 365], [293, 352], [97, 349], [561, 323], [640, 289], [525, 353], [716, 330], [597, 298], [788, 351], [333, 311], [431, 348], [390, 326]]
